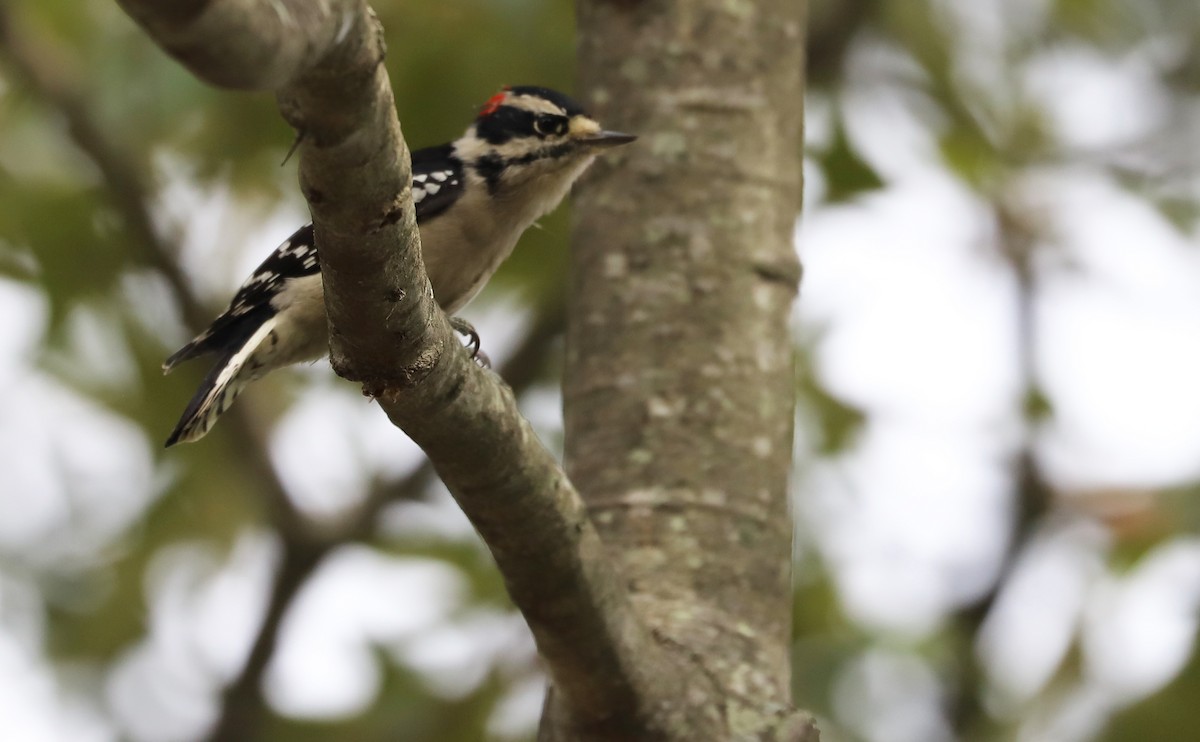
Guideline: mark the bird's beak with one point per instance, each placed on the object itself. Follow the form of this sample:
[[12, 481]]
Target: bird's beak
[[606, 139]]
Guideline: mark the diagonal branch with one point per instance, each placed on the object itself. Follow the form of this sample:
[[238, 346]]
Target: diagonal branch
[[303, 549], [245, 707], [247, 44], [1033, 495], [388, 333]]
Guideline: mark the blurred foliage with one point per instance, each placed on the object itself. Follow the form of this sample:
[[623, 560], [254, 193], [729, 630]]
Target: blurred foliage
[[61, 233], [1167, 715], [846, 174], [970, 73], [64, 240], [837, 423]]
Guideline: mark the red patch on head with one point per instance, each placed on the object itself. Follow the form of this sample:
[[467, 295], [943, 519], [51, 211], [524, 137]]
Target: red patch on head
[[494, 102]]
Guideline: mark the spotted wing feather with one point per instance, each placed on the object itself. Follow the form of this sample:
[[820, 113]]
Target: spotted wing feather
[[252, 317], [251, 305], [437, 181]]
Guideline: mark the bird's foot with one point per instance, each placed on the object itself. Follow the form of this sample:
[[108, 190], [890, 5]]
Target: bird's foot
[[464, 328]]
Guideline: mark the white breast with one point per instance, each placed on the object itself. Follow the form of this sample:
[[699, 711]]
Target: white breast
[[464, 246]]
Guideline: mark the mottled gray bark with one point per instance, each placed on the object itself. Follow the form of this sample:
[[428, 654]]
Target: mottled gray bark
[[679, 389], [323, 60], [246, 44], [680, 398]]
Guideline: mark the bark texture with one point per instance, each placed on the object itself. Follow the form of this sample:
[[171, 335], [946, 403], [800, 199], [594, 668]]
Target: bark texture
[[680, 388], [323, 61], [676, 625], [247, 44]]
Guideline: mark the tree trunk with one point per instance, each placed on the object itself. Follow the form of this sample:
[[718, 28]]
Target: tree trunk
[[669, 617], [679, 385]]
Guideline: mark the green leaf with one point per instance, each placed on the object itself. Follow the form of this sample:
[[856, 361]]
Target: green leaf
[[846, 174], [970, 157], [1169, 714], [838, 422]]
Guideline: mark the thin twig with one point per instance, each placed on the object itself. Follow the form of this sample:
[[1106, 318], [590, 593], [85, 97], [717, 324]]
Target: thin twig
[[325, 70], [304, 546], [131, 195], [245, 708], [1032, 494]]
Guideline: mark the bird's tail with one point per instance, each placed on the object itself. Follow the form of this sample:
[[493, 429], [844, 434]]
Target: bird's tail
[[224, 382], [203, 343]]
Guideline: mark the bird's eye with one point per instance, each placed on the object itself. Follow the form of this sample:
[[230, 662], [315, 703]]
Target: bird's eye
[[548, 124]]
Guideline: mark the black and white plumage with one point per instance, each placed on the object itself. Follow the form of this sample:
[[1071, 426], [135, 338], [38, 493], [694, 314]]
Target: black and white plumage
[[474, 197]]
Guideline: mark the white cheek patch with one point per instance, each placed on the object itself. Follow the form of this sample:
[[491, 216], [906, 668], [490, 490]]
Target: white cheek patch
[[469, 147]]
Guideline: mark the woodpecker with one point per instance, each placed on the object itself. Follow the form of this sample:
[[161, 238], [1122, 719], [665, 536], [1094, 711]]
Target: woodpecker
[[474, 197]]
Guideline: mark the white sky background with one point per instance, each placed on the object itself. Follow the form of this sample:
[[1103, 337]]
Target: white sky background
[[911, 318]]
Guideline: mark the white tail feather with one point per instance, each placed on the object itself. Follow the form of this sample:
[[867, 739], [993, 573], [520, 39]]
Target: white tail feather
[[215, 396]]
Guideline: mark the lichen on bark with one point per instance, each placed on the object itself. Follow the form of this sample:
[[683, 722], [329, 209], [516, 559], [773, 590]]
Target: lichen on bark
[[679, 384]]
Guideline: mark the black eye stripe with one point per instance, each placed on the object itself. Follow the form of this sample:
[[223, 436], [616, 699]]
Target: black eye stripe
[[509, 122], [491, 168], [506, 123]]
